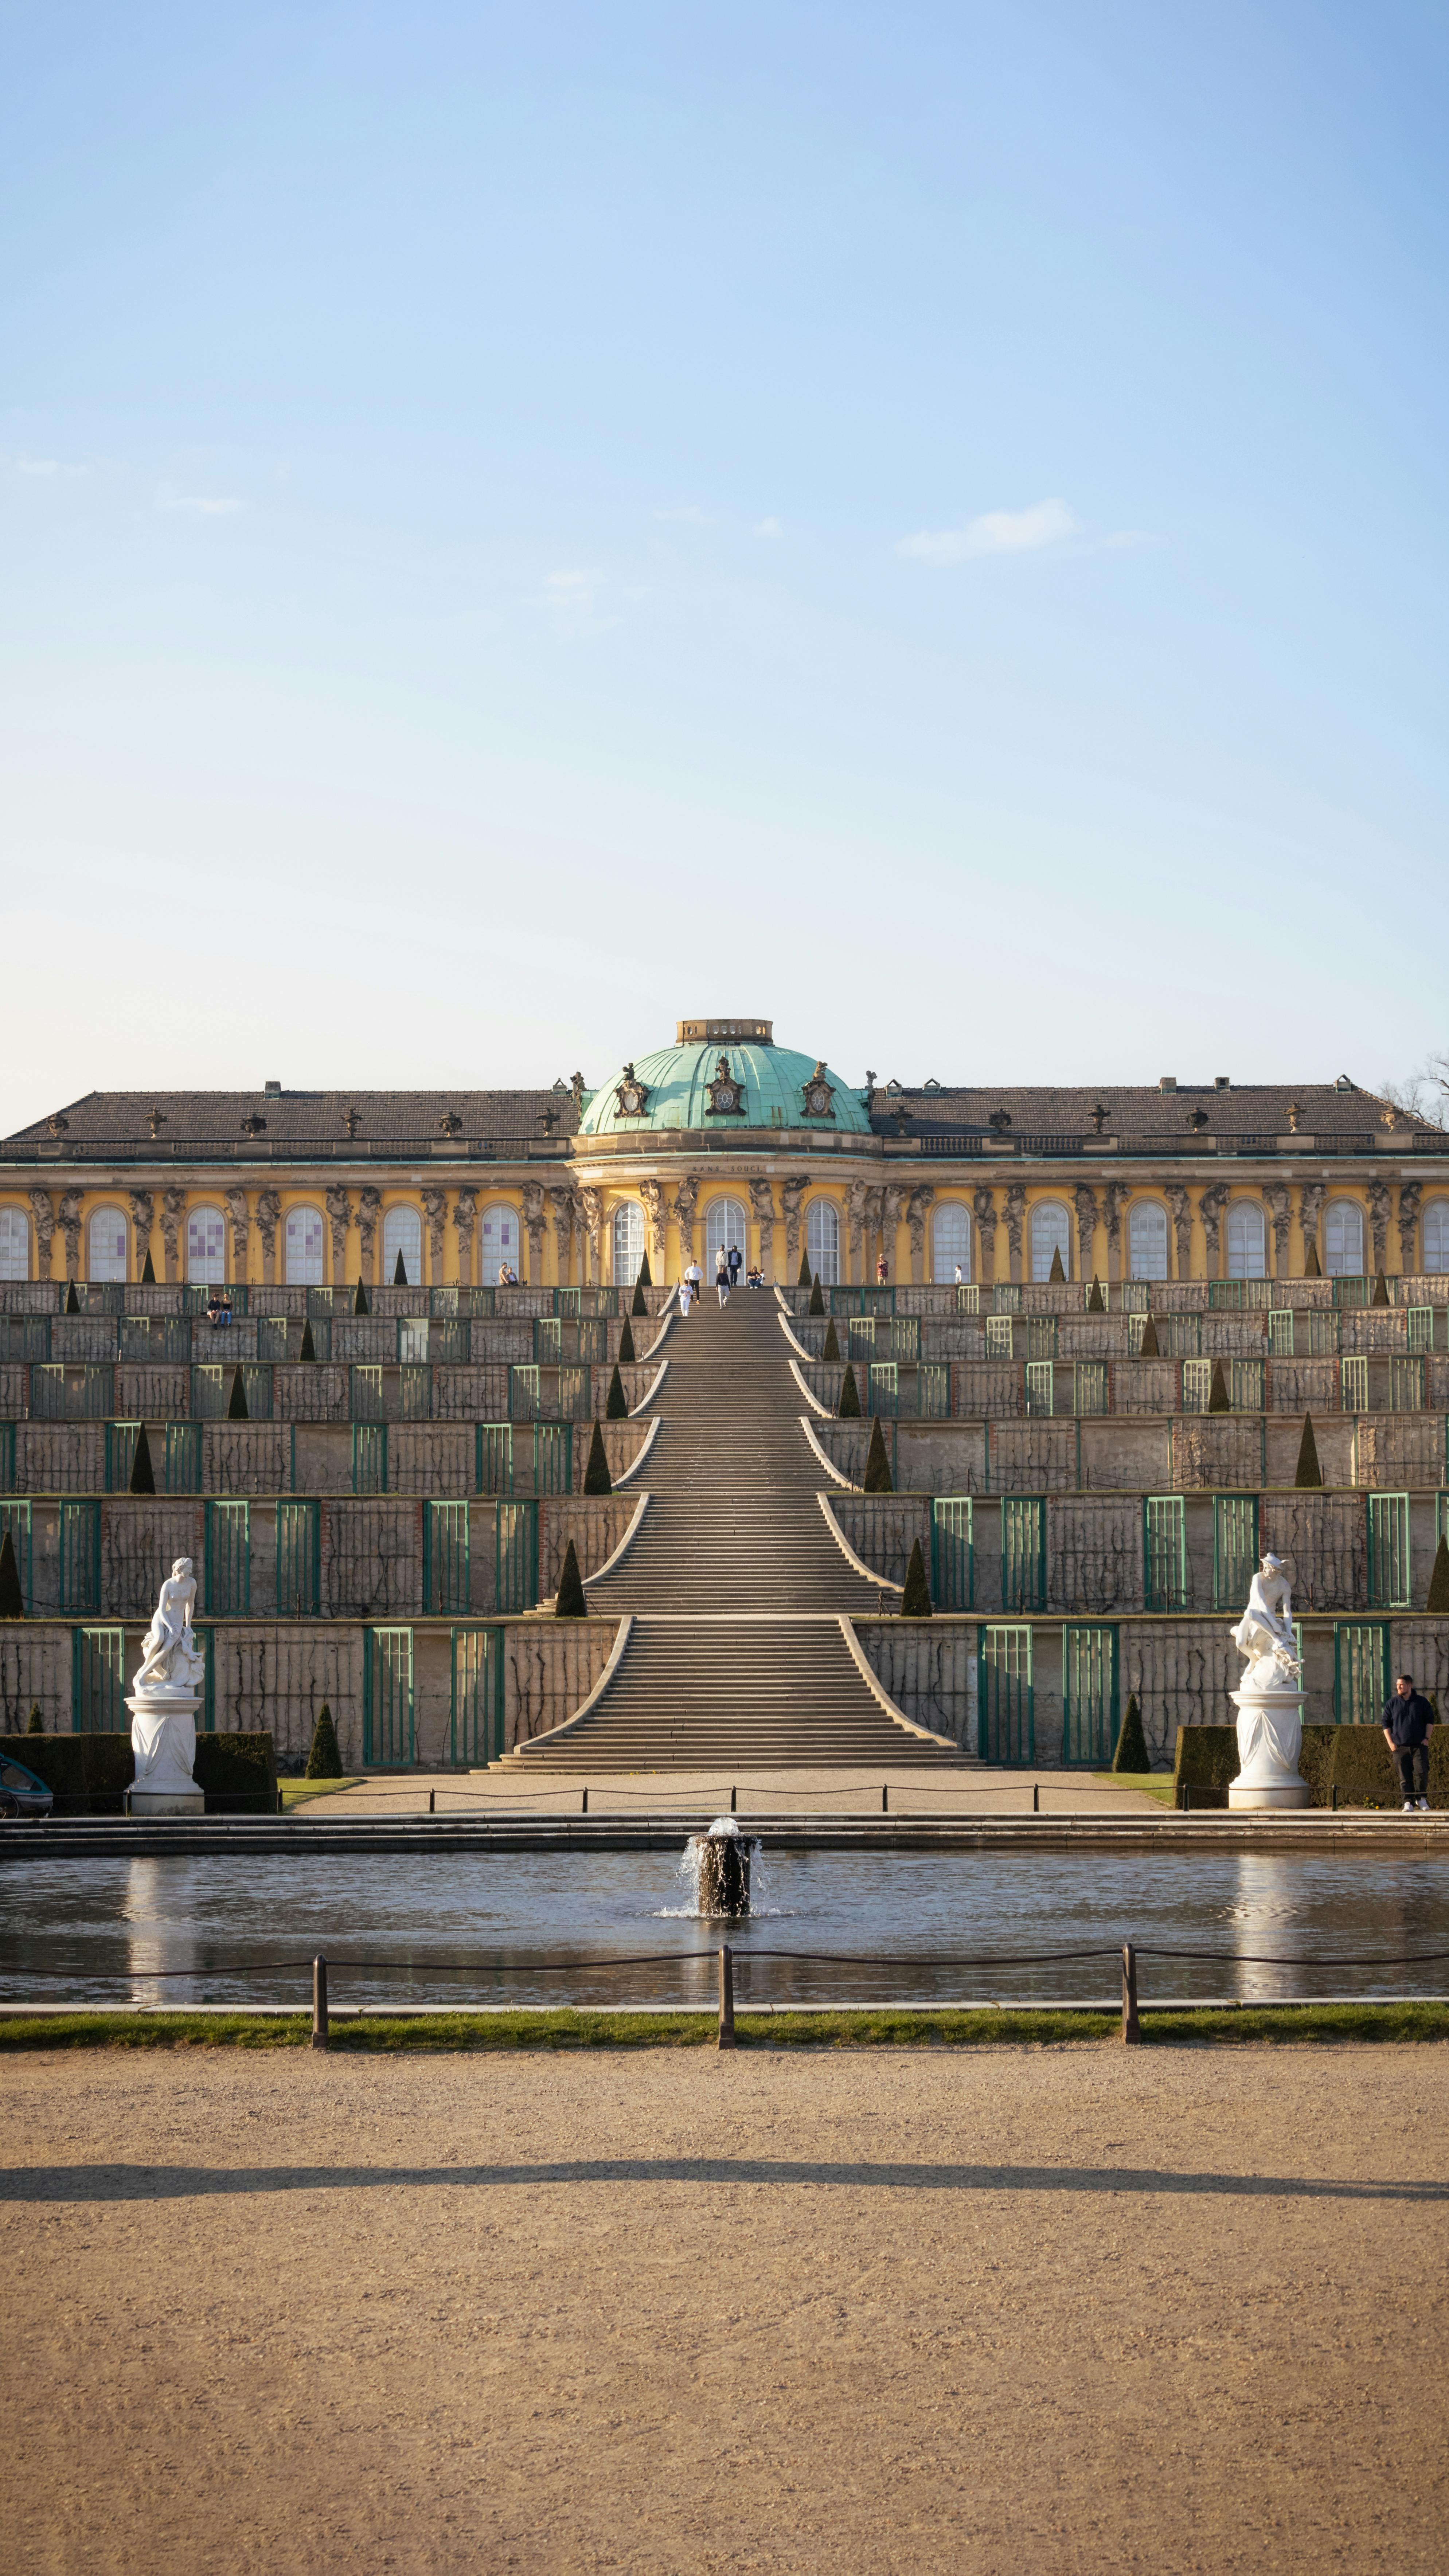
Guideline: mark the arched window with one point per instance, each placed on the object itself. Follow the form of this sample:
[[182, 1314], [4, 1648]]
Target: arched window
[[206, 1246], [822, 1242], [951, 1241], [1343, 1240], [500, 1244], [1050, 1232], [107, 1245], [402, 1232], [1247, 1241], [14, 1243], [304, 1247], [725, 1222], [1436, 1235], [1147, 1241], [628, 1243]]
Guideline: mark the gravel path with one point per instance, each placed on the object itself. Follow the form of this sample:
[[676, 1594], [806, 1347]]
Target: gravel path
[[1013, 2311]]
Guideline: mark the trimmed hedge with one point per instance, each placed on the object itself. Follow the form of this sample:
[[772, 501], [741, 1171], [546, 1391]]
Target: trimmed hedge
[[1131, 1753], [90, 1774], [916, 1598], [597, 1479], [1354, 1760], [877, 1464]]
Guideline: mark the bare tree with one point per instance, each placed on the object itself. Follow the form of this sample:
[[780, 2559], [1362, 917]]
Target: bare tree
[[1425, 1092]]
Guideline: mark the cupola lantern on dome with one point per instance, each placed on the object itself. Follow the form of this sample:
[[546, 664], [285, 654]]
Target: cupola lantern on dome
[[725, 1073]]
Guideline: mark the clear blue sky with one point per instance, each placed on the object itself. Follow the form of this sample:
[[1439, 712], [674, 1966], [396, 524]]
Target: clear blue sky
[[926, 521]]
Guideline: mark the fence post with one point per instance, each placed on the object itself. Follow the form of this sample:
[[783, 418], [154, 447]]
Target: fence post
[[1036, 1797], [1131, 2027], [584, 1809], [319, 2003], [884, 1798], [1187, 1797], [734, 1793], [432, 1794], [726, 1997]]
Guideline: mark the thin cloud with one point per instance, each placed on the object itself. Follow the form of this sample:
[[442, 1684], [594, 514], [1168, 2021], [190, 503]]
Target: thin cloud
[[768, 528], [572, 598], [206, 505], [690, 516], [997, 532], [43, 469]]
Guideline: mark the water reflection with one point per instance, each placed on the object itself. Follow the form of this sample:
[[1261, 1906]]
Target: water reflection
[[401, 1917]]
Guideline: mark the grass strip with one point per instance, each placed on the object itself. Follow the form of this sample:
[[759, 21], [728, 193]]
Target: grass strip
[[296, 1793], [1149, 1784], [377, 2034]]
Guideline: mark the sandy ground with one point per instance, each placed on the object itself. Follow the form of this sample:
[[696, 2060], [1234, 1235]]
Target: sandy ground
[[977, 1791], [1073, 2309]]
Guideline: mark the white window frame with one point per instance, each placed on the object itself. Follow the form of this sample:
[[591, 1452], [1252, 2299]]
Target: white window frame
[[1241, 1259], [297, 1261], [14, 1243], [822, 1216], [492, 1254], [1154, 1208], [205, 1275], [1437, 1211], [1335, 1266], [108, 1272], [628, 1218], [955, 1213], [720, 1230], [1039, 1256]]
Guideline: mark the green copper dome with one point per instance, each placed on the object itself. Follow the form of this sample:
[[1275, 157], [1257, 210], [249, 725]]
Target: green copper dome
[[760, 1085]]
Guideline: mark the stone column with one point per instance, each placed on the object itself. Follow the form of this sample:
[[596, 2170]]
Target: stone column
[[561, 1203], [465, 1216], [1210, 1208], [143, 1206], [1180, 1204], [70, 1226], [855, 1201], [435, 1217], [269, 1217], [1310, 1203], [686, 1200], [369, 1218], [1115, 1197], [591, 1207], [1409, 1196], [983, 1200], [1015, 1214], [1086, 1206], [533, 1208], [1276, 1198], [241, 1226], [173, 1209], [1378, 1199], [892, 1201], [656, 1210], [43, 1210], [762, 1203], [791, 1194], [916, 1206]]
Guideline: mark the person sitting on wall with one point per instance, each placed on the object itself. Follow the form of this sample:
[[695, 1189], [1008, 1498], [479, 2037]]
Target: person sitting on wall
[[224, 1318], [213, 1310]]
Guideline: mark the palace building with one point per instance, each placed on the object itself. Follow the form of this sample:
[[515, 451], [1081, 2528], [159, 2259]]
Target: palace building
[[348, 1351]]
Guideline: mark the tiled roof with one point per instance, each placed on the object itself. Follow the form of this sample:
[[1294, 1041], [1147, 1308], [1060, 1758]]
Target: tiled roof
[[1141, 1110], [123, 1118]]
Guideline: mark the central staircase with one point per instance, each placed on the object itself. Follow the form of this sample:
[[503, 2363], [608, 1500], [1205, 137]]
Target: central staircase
[[735, 1584]]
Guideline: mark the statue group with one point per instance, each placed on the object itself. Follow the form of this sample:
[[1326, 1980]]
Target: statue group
[[164, 1691], [1269, 1698]]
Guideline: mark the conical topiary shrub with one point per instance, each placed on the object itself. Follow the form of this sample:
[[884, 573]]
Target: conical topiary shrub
[[616, 1403], [1380, 1296], [148, 1272], [360, 1305], [878, 1478], [324, 1762], [646, 1275], [570, 1603], [36, 1723], [1151, 1348], [308, 1350], [831, 1350], [640, 1305], [1131, 1753], [72, 1301], [1438, 1601], [236, 1410], [1312, 1267], [1056, 1274], [1219, 1400], [626, 1343], [400, 1271], [142, 1478], [848, 1407], [804, 1278], [916, 1598], [597, 1479], [1096, 1302], [1309, 1473], [12, 1600], [817, 1297]]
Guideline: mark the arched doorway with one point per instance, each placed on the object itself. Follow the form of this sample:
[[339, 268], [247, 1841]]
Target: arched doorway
[[725, 1222]]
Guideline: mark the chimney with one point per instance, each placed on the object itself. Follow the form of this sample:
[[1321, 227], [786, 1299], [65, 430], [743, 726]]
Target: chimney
[[1167, 1082], [1222, 1082], [273, 1089]]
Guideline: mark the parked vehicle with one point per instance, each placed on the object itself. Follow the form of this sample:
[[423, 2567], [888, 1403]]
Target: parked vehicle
[[21, 1794]]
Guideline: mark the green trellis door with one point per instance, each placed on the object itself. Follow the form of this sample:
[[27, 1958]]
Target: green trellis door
[[953, 1555], [1023, 1552], [475, 1732], [1360, 1671], [1090, 1716], [516, 1558], [446, 1560], [387, 1698], [1005, 1705], [1388, 1551], [299, 1560], [1235, 1548]]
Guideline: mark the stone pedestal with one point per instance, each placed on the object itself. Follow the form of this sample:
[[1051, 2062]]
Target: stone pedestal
[[163, 1740], [1270, 1732]]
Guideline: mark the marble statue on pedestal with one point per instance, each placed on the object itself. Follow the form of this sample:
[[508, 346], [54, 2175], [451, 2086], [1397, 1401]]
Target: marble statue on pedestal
[[1269, 1699], [164, 1692]]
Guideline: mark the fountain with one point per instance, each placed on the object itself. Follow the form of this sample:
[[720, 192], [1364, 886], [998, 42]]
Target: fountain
[[719, 1862]]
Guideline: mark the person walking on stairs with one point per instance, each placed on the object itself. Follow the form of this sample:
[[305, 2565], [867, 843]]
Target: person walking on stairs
[[686, 1296], [695, 1276], [722, 1277], [736, 1262]]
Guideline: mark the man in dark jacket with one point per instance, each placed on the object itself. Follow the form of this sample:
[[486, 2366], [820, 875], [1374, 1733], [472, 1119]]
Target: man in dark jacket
[[1407, 1720]]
